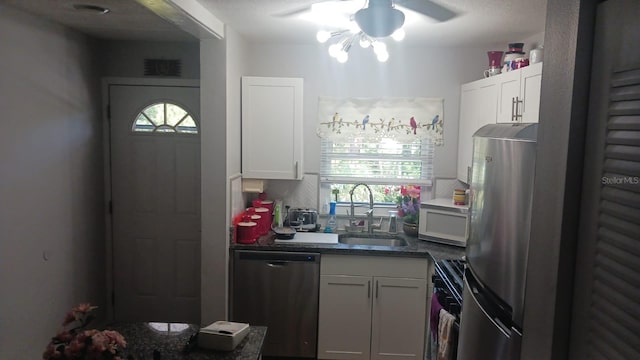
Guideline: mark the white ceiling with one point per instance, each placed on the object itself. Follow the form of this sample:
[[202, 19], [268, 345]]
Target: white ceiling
[[127, 20], [477, 21]]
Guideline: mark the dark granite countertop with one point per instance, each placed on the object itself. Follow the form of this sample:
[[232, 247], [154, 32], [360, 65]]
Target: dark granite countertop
[[143, 340], [416, 248]]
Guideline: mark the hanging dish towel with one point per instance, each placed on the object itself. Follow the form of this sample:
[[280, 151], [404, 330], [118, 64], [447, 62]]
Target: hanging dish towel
[[446, 342], [434, 317]]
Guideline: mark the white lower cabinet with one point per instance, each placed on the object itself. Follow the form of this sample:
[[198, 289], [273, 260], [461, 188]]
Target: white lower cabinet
[[344, 326], [372, 307]]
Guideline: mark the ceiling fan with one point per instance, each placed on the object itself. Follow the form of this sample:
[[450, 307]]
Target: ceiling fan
[[380, 18]]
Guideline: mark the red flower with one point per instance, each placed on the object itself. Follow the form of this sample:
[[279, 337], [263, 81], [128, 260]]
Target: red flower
[[72, 342], [64, 336], [69, 318], [84, 308]]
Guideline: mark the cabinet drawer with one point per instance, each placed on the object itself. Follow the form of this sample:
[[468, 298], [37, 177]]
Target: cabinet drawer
[[374, 266]]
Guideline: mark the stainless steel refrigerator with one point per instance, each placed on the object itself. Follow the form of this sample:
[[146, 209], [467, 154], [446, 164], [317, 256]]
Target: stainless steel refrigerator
[[501, 194]]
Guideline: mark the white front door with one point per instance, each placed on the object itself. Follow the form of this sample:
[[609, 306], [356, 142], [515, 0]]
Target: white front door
[[155, 179]]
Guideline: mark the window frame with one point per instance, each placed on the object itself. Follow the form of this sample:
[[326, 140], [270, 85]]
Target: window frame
[[327, 181], [159, 129]]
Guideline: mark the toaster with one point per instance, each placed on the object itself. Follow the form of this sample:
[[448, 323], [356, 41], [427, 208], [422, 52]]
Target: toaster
[[303, 219]]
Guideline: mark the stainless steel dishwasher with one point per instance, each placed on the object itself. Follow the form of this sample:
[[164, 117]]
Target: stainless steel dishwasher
[[278, 290]]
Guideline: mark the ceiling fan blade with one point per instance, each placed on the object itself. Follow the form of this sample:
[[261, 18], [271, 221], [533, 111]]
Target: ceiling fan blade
[[293, 12], [428, 8], [300, 9]]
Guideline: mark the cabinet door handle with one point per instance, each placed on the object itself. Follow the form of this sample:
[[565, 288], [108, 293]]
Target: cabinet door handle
[[515, 108], [376, 289], [368, 289], [297, 174]]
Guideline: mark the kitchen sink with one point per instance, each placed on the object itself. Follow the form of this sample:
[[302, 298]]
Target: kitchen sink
[[372, 239]]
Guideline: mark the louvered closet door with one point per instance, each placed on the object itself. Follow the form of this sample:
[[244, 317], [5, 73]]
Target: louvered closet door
[[606, 318]]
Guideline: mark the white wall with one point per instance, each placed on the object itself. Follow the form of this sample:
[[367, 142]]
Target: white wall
[[51, 204], [533, 41], [214, 238], [410, 71], [237, 56], [236, 66]]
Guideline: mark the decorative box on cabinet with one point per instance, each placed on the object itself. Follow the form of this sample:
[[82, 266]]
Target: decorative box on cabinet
[[372, 307], [272, 128], [519, 95]]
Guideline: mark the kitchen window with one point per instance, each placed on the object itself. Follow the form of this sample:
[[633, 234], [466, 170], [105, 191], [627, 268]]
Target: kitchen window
[[383, 164], [165, 118]]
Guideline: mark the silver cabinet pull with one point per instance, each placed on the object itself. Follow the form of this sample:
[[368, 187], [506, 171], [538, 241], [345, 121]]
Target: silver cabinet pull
[[368, 289], [515, 104], [297, 170]]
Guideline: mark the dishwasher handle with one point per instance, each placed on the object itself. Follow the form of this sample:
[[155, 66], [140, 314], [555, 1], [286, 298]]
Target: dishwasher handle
[[277, 264], [277, 257]]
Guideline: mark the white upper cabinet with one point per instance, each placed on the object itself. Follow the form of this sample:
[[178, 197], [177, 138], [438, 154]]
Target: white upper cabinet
[[519, 95], [508, 95], [478, 101], [272, 128], [530, 86], [512, 97]]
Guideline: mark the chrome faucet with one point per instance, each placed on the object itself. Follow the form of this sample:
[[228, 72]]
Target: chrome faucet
[[369, 212]]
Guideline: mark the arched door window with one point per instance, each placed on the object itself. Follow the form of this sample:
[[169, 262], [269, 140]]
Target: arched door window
[[165, 118]]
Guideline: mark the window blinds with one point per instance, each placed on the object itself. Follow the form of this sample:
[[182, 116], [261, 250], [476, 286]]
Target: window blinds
[[384, 161]]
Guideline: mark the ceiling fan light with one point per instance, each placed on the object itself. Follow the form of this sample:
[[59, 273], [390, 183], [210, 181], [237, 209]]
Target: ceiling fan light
[[379, 47], [334, 50], [382, 56], [399, 34], [322, 36], [379, 21], [342, 57], [364, 42]]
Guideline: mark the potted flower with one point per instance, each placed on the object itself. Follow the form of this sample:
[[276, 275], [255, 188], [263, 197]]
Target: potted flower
[[409, 208], [74, 342]]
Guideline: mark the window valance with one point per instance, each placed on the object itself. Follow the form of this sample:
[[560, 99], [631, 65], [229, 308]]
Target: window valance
[[401, 119]]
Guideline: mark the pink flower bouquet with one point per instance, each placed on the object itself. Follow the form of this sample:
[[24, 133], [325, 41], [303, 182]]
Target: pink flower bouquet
[[409, 203], [74, 342]]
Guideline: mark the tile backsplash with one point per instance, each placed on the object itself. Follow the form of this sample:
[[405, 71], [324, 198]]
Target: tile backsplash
[[294, 193], [444, 187]]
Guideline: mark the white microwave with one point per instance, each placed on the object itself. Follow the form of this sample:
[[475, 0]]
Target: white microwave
[[442, 221]]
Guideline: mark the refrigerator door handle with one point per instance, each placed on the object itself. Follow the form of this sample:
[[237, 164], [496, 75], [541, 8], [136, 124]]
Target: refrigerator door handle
[[506, 331]]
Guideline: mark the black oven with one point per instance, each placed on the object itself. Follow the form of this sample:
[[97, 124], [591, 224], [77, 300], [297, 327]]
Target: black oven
[[448, 282]]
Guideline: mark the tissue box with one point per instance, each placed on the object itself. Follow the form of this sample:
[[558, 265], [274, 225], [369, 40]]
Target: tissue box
[[222, 335]]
